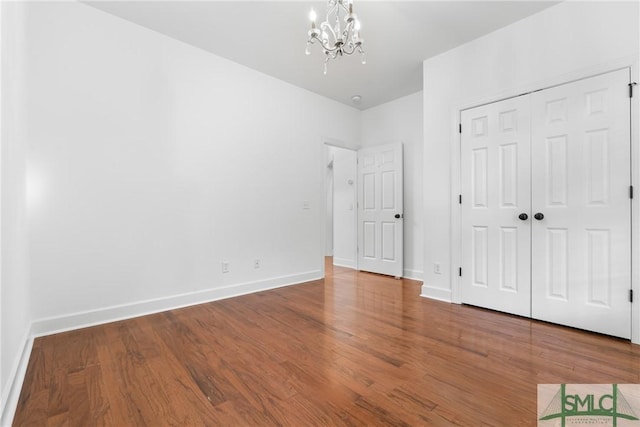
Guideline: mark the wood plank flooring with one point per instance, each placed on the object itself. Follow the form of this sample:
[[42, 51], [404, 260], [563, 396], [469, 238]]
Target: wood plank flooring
[[353, 349]]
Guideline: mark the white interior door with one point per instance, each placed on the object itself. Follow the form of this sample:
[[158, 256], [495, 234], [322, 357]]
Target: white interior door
[[380, 212], [495, 192], [581, 260]]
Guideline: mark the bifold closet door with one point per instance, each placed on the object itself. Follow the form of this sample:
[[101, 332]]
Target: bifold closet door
[[495, 161], [581, 241]]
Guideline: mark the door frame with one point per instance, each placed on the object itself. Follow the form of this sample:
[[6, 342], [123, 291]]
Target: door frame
[[633, 63], [2, 404]]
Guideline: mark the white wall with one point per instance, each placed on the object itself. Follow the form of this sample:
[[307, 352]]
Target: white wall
[[14, 286], [154, 161], [565, 41], [344, 207], [401, 121]]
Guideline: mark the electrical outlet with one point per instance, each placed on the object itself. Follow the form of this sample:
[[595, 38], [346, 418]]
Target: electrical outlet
[[436, 268], [225, 266], [256, 263]]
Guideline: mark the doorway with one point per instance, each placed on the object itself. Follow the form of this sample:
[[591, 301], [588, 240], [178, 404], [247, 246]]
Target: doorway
[[340, 202], [364, 208]]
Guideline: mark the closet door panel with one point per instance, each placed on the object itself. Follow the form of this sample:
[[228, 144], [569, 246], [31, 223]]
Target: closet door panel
[[580, 163], [495, 191]]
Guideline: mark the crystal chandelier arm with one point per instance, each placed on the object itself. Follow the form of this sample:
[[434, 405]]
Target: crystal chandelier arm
[[334, 8], [326, 26], [324, 45], [349, 48], [344, 8], [347, 30]]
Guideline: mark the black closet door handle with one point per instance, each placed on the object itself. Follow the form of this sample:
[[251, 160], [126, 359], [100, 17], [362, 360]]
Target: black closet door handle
[[523, 216], [539, 216]]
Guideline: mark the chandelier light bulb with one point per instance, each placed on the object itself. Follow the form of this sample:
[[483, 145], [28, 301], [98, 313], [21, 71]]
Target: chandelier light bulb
[[313, 16]]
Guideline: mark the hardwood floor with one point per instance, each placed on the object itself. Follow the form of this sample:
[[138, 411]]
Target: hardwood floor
[[354, 349]]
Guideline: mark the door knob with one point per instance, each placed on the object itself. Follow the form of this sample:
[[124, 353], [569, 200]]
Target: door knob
[[538, 216], [523, 216], [397, 216]]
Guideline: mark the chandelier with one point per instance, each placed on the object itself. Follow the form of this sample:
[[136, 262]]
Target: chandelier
[[334, 39]]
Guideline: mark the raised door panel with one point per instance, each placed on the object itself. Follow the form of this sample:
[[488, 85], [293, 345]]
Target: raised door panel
[[556, 167], [508, 259], [480, 256], [556, 263], [480, 177], [508, 169]]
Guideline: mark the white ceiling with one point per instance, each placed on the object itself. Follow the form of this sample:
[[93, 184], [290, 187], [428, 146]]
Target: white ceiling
[[270, 36]]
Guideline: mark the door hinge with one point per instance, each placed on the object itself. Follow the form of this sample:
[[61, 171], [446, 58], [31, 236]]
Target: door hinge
[[631, 85], [631, 191], [460, 271], [630, 295], [460, 127], [459, 199]]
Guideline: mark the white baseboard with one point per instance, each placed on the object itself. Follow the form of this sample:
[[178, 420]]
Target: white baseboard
[[408, 273], [12, 390], [84, 319], [436, 293], [344, 262]]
